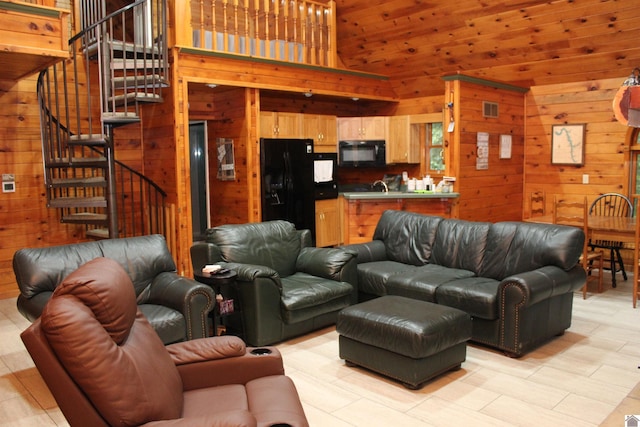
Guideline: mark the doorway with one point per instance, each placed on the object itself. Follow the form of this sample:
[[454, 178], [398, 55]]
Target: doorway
[[199, 179]]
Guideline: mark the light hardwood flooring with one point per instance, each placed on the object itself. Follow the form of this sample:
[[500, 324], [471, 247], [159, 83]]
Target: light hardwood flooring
[[589, 376]]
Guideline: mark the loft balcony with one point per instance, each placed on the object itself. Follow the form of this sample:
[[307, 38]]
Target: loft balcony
[[33, 35], [297, 31]]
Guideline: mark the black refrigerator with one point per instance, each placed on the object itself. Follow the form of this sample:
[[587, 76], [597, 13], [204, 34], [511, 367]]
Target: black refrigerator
[[288, 190]]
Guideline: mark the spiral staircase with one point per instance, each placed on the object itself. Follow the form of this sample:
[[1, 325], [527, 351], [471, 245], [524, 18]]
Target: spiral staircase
[[118, 63]]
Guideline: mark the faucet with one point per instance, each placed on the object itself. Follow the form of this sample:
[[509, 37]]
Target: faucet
[[384, 184]]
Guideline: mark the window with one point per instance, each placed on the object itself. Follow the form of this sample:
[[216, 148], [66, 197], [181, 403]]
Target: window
[[427, 131], [434, 146]]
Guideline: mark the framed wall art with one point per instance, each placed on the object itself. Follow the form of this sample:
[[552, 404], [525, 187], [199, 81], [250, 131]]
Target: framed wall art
[[567, 144]]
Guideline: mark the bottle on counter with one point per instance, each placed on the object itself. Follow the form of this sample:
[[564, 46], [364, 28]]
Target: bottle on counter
[[411, 185], [405, 181], [428, 183]]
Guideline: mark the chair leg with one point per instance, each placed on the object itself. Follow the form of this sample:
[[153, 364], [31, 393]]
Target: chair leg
[[619, 256], [600, 272], [612, 265]]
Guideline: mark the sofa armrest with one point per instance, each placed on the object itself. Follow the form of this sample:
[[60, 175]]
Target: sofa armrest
[[324, 262], [203, 253], [260, 291], [369, 251], [239, 369], [251, 272], [194, 300], [203, 349], [531, 287]]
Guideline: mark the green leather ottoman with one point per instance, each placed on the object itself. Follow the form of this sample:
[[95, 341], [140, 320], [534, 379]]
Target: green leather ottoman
[[409, 340]]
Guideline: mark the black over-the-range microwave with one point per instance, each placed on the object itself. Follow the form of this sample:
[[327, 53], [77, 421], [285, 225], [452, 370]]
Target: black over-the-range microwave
[[361, 153]]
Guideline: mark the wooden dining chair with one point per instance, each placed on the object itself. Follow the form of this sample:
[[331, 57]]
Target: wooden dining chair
[[576, 214], [537, 204], [612, 204]]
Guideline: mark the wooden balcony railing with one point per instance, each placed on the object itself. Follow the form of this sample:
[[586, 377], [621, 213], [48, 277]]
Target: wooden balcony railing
[[48, 3], [300, 31]]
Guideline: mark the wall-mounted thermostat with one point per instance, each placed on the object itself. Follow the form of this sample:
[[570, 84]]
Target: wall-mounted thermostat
[[8, 183]]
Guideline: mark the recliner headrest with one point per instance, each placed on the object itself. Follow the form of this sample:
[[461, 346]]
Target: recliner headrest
[[113, 306]]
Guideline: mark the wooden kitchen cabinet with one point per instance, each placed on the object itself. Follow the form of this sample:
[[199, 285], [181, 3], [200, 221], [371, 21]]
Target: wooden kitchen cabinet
[[280, 125], [402, 146], [327, 223], [362, 128], [323, 129]]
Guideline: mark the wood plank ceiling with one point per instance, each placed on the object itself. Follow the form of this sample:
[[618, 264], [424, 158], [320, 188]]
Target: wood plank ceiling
[[525, 43]]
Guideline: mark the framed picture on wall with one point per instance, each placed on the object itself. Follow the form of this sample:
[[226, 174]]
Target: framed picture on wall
[[567, 144]]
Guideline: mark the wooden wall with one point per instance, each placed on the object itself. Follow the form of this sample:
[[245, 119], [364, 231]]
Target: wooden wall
[[492, 194], [25, 219], [499, 193], [229, 200], [606, 149]]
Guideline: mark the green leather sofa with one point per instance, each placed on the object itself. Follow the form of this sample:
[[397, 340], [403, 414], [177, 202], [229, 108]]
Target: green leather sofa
[[286, 286], [515, 279]]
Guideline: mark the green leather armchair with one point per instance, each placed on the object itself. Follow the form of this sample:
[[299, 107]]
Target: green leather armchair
[[286, 287], [177, 307]]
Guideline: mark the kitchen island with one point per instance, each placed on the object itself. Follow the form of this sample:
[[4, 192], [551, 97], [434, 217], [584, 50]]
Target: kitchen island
[[362, 210]]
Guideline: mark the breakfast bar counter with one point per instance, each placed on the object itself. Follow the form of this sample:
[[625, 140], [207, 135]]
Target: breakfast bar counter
[[374, 195], [362, 210]]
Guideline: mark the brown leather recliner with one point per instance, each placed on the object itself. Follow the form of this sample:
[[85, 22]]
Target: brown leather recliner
[[105, 365]]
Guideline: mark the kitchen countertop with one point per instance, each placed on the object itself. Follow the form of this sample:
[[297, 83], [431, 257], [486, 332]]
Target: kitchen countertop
[[368, 195]]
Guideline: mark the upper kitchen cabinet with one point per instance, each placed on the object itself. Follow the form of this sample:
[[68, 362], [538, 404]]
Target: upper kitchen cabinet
[[323, 130], [365, 128], [280, 125], [403, 145]]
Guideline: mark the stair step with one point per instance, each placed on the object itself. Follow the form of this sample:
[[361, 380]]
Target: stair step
[[142, 81], [133, 48], [98, 233], [86, 218], [78, 202], [94, 181], [119, 100], [117, 117], [77, 162], [88, 139], [119, 47], [136, 64]]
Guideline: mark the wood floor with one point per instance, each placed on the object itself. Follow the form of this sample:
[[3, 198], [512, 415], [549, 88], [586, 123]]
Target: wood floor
[[590, 376]]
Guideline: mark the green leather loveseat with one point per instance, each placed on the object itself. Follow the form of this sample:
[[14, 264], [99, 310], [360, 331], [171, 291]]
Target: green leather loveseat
[[515, 279], [286, 286]]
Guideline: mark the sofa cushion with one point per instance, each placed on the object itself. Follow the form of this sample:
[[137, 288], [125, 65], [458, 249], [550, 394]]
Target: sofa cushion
[[313, 296], [421, 284], [274, 244], [477, 296], [407, 236], [460, 244], [516, 247], [302, 290], [373, 276]]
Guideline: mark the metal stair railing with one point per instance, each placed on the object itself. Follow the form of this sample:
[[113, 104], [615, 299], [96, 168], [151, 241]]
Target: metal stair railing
[[79, 114]]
